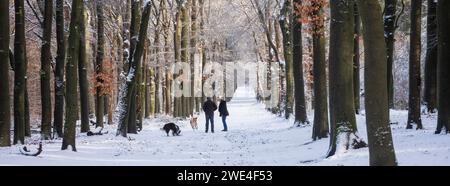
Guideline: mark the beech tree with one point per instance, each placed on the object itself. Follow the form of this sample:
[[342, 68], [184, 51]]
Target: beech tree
[[414, 115], [59, 70], [390, 17], [287, 28], [357, 61], [344, 132], [431, 62], [46, 58], [5, 113], [19, 73], [83, 82], [321, 124], [71, 76], [381, 146], [301, 117], [100, 99], [443, 66], [130, 84]]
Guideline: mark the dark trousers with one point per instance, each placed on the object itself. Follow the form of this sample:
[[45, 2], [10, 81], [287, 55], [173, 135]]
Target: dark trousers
[[210, 119], [224, 121]]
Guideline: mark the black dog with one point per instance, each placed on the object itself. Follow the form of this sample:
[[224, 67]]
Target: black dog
[[27, 152], [172, 127]]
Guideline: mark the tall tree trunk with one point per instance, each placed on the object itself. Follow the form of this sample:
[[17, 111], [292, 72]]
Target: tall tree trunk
[[59, 71], [71, 76], [19, 73], [5, 113], [177, 47], [140, 88], [193, 52], [390, 10], [127, 90], [203, 49], [286, 27], [157, 68], [185, 54], [100, 95], [356, 62], [135, 17], [82, 74], [321, 124], [126, 36], [140, 99], [414, 117], [46, 58], [381, 146], [301, 117], [432, 58], [342, 108], [444, 66], [91, 14], [168, 73]]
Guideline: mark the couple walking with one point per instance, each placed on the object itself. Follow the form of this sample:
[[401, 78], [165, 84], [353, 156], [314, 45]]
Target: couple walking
[[210, 107]]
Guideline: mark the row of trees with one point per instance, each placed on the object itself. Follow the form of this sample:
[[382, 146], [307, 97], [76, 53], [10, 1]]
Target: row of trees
[[348, 21], [130, 48], [116, 54]]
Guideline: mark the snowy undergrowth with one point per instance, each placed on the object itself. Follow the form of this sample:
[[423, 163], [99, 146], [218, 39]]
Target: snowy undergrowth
[[256, 137]]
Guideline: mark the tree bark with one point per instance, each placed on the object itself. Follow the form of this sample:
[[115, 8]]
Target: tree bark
[[127, 90], [168, 81], [134, 30], [286, 27], [177, 48], [356, 62], [186, 20], [432, 58], [321, 124], [193, 51], [46, 58], [126, 36], [443, 66], [301, 117], [5, 113], [414, 115], [19, 73], [343, 121], [147, 90], [71, 76], [100, 97], [82, 74], [390, 10], [59, 71], [381, 146]]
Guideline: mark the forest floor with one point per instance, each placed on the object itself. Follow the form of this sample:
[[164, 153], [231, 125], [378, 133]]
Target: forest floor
[[256, 137]]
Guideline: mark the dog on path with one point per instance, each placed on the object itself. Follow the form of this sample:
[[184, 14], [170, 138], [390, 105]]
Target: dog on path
[[194, 122], [172, 127]]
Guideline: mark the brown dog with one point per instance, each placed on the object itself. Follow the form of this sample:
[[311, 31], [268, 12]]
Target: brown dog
[[194, 122]]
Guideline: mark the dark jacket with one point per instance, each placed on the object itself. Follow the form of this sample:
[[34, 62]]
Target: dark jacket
[[223, 110], [209, 107]]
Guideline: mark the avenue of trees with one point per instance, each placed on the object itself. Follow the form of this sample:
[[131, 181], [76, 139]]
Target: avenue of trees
[[110, 62]]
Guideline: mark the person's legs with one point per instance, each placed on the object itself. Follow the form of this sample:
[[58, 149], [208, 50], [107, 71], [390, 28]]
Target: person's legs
[[212, 123], [224, 121], [207, 122]]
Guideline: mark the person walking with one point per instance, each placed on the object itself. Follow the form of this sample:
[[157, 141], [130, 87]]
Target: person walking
[[209, 107], [223, 110]]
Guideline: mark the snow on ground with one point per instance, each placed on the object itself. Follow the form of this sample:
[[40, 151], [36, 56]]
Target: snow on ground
[[256, 137]]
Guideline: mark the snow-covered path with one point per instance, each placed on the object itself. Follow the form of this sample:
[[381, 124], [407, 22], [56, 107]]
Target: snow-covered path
[[256, 137]]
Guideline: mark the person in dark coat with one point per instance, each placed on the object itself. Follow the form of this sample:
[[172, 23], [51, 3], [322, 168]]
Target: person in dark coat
[[209, 107], [223, 110]]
